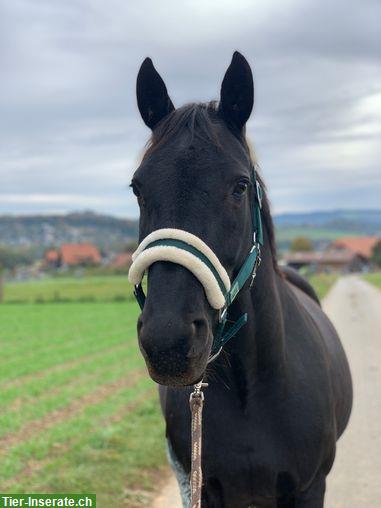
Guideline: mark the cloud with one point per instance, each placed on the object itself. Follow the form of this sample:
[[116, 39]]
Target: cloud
[[70, 127]]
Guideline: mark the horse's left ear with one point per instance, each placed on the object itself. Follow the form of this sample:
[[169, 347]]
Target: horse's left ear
[[237, 92], [152, 96]]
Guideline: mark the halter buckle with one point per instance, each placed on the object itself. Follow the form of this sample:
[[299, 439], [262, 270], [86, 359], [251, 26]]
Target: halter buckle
[[255, 268], [259, 193], [222, 313]]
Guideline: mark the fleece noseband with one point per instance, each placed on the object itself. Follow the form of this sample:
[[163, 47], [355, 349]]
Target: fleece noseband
[[184, 248]]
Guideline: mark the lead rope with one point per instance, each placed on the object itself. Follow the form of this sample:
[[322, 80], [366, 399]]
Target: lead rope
[[196, 402]]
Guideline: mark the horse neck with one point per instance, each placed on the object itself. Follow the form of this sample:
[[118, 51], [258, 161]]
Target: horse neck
[[257, 352]]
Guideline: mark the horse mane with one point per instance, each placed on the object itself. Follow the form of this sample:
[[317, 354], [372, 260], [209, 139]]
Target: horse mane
[[200, 120]]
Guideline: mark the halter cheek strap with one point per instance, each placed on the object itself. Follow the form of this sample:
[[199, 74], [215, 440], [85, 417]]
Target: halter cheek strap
[[184, 248]]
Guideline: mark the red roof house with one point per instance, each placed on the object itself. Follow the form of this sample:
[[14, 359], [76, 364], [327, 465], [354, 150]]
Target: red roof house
[[73, 254], [51, 256], [361, 245], [122, 260], [339, 260]]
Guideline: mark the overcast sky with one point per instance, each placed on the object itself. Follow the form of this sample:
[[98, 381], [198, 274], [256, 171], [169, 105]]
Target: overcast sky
[[71, 135]]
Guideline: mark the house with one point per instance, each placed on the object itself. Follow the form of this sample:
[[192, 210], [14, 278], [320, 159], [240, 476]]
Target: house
[[51, 257], [121, 261], [72, 254], [361, 245], [339, 260]]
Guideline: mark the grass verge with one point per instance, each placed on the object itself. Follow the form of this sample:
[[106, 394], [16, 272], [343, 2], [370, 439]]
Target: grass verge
[[373, 278], [322, 283]]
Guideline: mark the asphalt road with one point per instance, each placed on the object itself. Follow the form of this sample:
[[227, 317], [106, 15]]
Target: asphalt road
[[355, 480]]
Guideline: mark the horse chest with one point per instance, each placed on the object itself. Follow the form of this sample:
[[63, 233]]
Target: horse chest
[[240, 465], [246, 454], [248, 450]]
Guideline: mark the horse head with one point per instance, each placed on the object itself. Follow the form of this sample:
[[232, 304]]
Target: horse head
[[196, 177]]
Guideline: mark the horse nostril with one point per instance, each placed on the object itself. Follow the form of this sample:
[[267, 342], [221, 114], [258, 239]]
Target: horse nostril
[[163, 337], [199, 338], [200, 327]]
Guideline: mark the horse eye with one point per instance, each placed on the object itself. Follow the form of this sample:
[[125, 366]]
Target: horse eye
[[240, 188], [135, 190], [137, 193]]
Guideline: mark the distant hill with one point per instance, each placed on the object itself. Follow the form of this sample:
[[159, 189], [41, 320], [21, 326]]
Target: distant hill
[[322, 227], [347, 219], [105, 231], [53, 230]]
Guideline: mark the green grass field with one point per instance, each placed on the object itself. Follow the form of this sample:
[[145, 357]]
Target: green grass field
[[374, 278], [78, 410], [287, 233], [110, 288], [79, 413], [62, 289]]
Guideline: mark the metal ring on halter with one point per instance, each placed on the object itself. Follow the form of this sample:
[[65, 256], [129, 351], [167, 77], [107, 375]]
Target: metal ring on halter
[[213, 357], [222, 313]]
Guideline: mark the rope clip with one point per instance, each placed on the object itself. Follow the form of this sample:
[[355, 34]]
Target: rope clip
[[197, 391]]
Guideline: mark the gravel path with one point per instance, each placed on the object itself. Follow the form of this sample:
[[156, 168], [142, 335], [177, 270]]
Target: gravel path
[[354, 306], [170, 496], [355, 309]]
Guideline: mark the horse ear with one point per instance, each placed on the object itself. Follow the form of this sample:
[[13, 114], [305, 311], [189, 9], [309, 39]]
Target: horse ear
[[152, 96], [237, 92]]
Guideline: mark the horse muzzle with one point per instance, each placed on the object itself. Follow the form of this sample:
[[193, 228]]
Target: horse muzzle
[[176, 350]]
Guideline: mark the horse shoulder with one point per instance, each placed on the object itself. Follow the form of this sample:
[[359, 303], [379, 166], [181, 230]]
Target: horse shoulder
[[314, 350]]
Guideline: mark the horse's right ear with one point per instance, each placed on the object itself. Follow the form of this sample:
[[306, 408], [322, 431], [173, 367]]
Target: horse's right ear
[[153, 100]]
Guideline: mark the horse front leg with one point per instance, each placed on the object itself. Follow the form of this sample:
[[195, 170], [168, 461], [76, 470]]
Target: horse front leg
[[313, 497], [212, 496]]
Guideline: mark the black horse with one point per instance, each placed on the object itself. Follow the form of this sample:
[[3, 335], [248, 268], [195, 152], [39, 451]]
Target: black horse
[[280, 393]]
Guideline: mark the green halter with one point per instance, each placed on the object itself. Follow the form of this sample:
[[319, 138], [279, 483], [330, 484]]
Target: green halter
[[248, 271]]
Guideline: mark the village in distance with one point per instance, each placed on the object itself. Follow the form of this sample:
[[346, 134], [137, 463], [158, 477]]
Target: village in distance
[[84, 244]]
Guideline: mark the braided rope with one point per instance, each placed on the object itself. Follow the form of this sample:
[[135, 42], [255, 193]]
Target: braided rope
[[196, 402]]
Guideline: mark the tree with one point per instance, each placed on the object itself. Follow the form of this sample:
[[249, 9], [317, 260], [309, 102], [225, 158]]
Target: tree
[[301, 243], [11, 257], [376, 254], [131, 246]]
